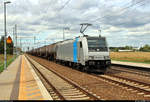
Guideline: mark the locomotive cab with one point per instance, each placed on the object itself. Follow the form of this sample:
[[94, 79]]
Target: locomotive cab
[[98, 53]]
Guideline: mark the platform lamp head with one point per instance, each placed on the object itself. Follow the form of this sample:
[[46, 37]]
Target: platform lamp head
[[7, 2]]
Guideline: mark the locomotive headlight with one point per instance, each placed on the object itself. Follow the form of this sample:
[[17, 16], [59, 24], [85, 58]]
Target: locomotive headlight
[[91, 57], [106, 57], [108, 62]]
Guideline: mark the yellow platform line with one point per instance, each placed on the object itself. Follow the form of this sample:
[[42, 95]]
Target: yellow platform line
[[22, 83]]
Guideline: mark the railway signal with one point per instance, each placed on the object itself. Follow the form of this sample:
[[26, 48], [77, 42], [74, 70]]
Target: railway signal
[[9, 40]]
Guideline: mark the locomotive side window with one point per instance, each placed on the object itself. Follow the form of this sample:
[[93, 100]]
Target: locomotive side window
[[80, 44]]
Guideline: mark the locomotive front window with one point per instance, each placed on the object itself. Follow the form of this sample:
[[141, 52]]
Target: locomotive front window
[[97, 44]]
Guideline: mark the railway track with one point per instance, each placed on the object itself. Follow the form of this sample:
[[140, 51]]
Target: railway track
[[60, 87], [115, 69], [140, 88], [131, 69]]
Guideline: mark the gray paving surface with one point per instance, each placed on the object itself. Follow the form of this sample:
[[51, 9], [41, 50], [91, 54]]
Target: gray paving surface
[[8, 80]]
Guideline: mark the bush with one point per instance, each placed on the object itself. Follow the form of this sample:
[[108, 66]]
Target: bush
[[146, 48]]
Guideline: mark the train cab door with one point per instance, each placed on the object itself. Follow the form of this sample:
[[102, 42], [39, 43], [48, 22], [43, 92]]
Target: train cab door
[[80, 51]]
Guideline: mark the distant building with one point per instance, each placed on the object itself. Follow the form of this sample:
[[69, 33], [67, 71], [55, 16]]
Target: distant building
[[136, 48], [125, 50]]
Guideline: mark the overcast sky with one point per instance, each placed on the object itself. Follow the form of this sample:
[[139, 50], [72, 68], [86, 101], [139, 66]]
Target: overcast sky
[[123, 22]]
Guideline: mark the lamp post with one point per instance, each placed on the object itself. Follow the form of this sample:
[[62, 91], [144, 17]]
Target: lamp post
[[5, 37]]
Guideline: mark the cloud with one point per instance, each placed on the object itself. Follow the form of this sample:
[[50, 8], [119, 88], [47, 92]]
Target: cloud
[[47, 18]]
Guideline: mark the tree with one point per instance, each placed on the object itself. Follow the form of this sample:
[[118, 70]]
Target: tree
[[145, 48], [128, 48], [2, 45]]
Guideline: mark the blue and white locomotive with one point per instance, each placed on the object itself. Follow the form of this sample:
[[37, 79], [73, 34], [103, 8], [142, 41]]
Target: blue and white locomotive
[[91, 53]]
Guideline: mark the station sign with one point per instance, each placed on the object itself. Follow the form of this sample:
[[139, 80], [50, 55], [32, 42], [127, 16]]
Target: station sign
[[9, 40]]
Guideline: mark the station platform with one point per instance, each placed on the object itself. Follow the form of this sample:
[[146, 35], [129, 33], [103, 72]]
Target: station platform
[[131, 64], [20, 82]]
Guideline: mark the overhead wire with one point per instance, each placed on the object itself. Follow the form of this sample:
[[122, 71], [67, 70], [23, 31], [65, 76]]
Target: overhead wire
[[134, 9], [119, 11], [95, 20], [140, 18], [126, 8], [123, 8], [61, 8], [118, 15], [43, 17], [111, 6]]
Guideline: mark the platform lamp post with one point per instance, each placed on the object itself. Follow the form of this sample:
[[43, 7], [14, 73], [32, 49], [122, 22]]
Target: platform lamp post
[[5, 37]]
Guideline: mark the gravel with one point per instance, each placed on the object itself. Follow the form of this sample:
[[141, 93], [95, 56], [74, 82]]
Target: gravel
[[133, 76]]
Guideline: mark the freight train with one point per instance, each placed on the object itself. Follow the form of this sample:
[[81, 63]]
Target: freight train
[[85, 53]]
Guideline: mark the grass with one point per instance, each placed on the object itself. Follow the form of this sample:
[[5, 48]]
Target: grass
[[2, 58], [10, 59], [138, 57]]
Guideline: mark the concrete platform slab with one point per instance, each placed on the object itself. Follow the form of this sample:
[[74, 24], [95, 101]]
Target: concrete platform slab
[[20, 82], [9, 82]]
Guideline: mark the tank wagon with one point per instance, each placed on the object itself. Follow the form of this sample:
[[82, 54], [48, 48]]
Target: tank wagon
[[51, 51]]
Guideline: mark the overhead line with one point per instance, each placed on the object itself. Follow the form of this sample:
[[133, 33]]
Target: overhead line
[[120, 10], [60, 10], [64, 5], [140, 18]]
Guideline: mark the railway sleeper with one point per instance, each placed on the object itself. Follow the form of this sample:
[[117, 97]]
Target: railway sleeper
[[146, 95], [147, 89], [69, 91], [68, 88], [83, 98], [77, 96], [67, 85], [72, 94], [55, 97]]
